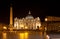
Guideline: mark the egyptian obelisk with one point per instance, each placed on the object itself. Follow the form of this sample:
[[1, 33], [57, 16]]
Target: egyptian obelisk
[[11, 18], [11, 15]]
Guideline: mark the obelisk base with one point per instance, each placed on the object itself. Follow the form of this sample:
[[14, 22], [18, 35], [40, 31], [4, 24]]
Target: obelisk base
[[10, 27]]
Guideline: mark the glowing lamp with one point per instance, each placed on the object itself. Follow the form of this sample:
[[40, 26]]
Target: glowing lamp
[[45, 19], [26, 27], [4, 27]]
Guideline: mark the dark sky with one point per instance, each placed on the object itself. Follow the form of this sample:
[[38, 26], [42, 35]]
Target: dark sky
[[21, 9]]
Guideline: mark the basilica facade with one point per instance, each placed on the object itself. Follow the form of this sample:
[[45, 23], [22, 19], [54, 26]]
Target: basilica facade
[[29, 22]]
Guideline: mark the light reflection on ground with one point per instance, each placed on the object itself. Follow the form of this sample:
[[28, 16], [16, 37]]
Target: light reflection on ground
[[25, 35], [4, 35]]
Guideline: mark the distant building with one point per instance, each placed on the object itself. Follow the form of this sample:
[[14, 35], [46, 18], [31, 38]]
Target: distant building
[[52, 23], [29, 22], [52, 18]]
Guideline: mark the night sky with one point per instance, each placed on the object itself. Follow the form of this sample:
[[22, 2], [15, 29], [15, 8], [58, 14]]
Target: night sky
[[21, 9]]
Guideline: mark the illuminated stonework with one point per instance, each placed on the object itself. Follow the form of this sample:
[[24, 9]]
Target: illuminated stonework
[[29, 22]]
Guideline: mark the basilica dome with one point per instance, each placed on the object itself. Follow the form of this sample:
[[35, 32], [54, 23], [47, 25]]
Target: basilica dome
[[29, 16]]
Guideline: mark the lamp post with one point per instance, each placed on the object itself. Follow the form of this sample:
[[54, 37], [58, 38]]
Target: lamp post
[[45, 19], [45, 29], [47, 24], [5, 27]]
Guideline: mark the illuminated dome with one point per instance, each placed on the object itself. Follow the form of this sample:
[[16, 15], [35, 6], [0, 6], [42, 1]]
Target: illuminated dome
[[29, 16]]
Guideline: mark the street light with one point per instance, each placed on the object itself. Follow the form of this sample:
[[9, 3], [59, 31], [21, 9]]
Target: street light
[[4, 27], [47, 24], [26, 27], [45, 19]]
